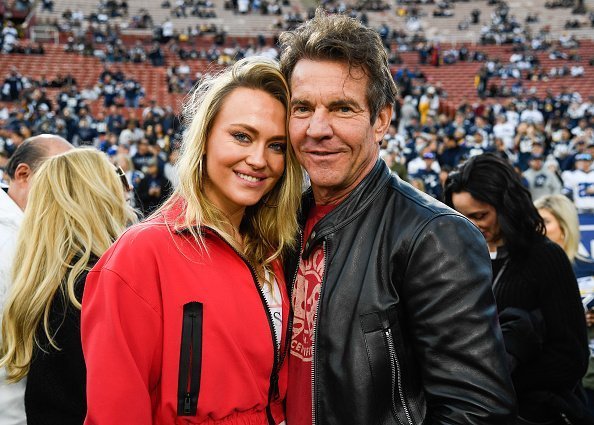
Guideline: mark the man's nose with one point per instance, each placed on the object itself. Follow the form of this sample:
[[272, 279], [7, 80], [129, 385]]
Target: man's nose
[[319, 125]]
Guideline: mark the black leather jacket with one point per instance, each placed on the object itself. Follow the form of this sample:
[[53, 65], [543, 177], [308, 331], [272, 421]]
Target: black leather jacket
[[407, 330]]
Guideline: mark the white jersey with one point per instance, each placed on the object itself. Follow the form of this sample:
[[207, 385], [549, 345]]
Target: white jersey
[[581, 184]]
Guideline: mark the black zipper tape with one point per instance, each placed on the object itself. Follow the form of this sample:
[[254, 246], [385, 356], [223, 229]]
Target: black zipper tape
[[190, 360]]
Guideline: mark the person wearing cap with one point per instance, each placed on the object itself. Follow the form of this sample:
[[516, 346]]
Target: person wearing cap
[[579, 183], [429, 177], [541, 181], [418, 162], [428, 103]]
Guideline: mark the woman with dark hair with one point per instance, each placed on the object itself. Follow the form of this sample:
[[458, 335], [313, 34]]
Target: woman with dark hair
[[535, 289]]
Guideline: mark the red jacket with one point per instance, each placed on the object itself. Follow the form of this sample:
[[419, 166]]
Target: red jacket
[[175, 335]]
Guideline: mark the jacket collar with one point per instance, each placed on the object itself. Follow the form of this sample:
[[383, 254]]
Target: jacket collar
[[354, 205], [10, 213]]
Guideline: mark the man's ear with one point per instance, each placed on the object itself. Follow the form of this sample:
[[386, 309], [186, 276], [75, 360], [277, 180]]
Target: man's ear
[[382, 122], [23, 173]]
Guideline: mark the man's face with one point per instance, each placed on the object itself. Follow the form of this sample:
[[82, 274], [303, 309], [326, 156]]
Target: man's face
[[330, 126], [536, 164]]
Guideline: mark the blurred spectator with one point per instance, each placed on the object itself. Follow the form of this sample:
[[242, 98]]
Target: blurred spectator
[[579, 183], [9, 37], [541, 181], [429, 176], [13, 86], [153, 188]]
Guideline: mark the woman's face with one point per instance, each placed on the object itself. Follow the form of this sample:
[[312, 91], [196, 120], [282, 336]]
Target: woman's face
[[245, 150], [483, 215], [554, 230]]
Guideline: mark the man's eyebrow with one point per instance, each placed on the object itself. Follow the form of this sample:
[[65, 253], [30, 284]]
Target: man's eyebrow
[[344, 102], [333, 104], [295, 102]]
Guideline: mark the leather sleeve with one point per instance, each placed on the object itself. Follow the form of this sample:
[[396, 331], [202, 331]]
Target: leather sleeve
[[452, 320]]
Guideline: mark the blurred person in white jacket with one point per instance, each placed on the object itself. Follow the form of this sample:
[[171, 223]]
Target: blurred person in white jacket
[[20, 169]]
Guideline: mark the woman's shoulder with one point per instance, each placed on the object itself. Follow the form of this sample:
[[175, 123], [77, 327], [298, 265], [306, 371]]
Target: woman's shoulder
[[139, 243], [543, 257], [543, 248]]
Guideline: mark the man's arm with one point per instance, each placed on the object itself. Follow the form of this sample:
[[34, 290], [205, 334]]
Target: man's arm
[[453, 323]]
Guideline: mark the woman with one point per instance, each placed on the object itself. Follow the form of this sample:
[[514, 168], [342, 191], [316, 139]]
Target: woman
[[185, 318], [76, 209], [535, 290], [562, 227], [561, 220]]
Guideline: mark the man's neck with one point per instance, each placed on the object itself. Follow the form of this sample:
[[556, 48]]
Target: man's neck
[[12, 195]]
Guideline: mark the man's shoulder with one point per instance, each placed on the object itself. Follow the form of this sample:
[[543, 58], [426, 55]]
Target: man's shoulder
[[403, 196]]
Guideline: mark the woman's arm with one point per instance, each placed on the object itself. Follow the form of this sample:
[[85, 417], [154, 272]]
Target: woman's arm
[[122, 343]]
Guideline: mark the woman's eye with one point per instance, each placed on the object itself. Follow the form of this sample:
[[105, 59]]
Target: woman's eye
[[278, 147], [242, 137]]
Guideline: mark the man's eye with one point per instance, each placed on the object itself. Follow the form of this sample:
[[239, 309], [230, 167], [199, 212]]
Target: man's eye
[[300, 109], [345, 109]]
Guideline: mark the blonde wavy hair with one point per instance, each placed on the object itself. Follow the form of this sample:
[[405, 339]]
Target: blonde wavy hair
[[269, 227], [566, 214], [76, 210]]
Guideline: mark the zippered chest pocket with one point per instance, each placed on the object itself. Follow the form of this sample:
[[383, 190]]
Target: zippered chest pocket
[[386, 365], [190, 360]]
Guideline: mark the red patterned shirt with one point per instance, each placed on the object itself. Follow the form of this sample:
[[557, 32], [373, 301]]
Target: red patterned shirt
[[306, 295]]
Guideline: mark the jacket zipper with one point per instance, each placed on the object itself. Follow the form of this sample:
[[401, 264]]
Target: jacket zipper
[[314, 401], [396, 377], [273, 392], [190, 368]]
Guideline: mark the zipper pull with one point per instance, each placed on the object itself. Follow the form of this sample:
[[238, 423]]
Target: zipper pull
[[187, 404]]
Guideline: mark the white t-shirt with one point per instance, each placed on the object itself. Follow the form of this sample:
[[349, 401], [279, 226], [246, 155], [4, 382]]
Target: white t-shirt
[[275, 303]]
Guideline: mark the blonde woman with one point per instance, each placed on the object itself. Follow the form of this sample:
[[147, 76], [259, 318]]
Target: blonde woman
[[185, 318], [76, 210], [561, 221]]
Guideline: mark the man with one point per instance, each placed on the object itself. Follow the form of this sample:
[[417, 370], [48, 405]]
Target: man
[[20, 168], [580, 183], [541, 181], [394, 318], [429, 176], [504, 130]]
